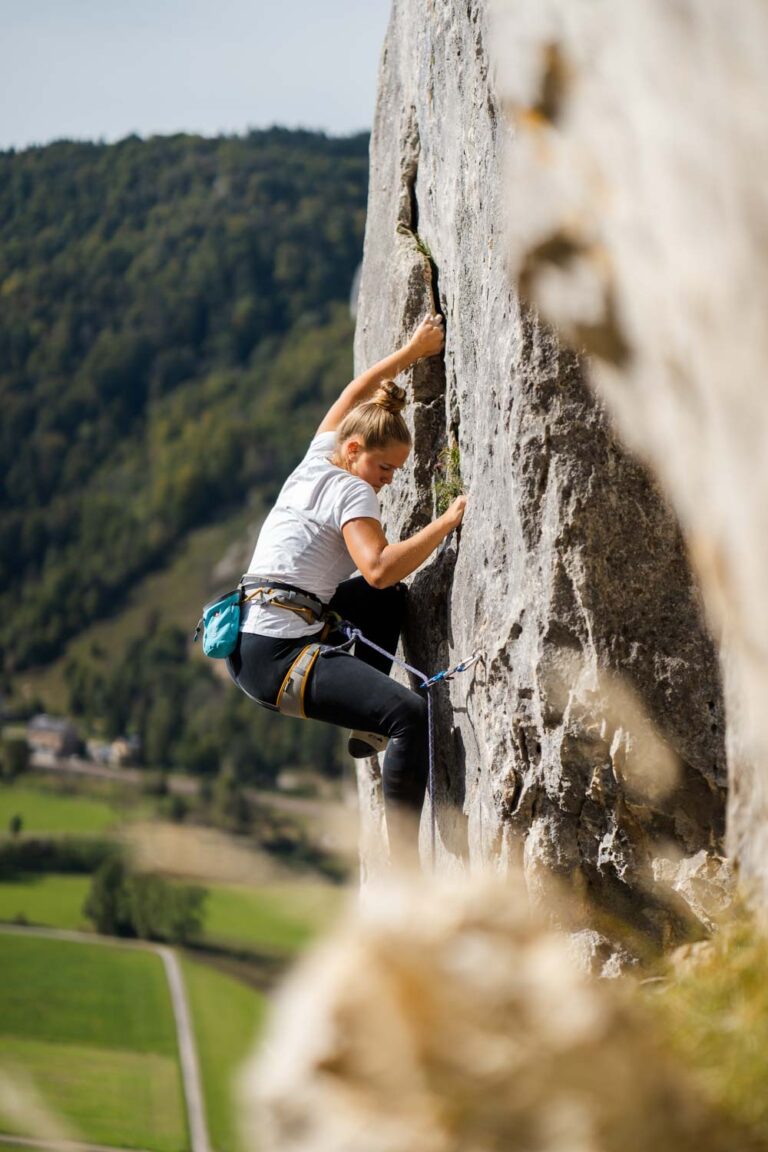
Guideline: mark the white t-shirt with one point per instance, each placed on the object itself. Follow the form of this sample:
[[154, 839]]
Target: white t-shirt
[[301, 541]]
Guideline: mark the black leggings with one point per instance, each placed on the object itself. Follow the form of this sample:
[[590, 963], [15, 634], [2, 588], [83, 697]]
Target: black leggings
[[352, 691]]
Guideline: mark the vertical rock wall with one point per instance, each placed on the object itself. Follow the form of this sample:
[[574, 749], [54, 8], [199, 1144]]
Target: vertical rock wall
[[588, 741], [637, 197]]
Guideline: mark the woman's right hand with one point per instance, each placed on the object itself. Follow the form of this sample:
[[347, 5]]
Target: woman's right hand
[[384, 564], [454, 514]]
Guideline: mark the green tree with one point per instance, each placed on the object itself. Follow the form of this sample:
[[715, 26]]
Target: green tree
[[162, 726], [161, 911], [122, 903], [14, 757], [106, 904], [230, 807]]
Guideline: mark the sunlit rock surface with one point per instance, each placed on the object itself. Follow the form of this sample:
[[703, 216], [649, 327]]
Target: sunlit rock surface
[[588, 741], [637, 203]]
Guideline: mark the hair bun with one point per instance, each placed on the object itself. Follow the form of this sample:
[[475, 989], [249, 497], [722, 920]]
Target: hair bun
[[390, 396]]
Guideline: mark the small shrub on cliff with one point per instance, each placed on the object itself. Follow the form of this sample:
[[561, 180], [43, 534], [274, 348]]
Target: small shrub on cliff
[[449, 483], [715, 1012]]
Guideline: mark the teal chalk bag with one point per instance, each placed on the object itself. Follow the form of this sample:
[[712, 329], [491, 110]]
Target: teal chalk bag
[[220, 624]]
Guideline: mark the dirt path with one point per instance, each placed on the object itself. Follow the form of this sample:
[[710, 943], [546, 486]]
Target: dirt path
[[190, 1069]]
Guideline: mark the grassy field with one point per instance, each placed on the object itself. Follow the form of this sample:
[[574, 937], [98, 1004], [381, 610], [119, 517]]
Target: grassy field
[[51, 812], [91, 1028], [281, 919], [45, 899], [9, 1147], [227, 1017], [123, 1098]]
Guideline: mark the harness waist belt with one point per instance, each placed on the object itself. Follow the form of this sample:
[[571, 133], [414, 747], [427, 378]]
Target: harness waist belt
[[284, 596]]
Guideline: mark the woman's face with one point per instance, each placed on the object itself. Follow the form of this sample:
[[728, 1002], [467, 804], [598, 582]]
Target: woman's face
[[377, 466]]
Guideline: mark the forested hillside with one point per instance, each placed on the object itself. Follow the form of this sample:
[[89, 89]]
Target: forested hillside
[[173, 313]]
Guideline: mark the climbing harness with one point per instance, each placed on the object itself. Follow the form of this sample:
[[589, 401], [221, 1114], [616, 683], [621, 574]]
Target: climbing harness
[[220, 619], [287, 596], [290, 698]]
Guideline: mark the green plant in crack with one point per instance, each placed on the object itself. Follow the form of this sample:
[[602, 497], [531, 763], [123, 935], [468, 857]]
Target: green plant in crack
[[422, 246], [419, 241], [448, 481]]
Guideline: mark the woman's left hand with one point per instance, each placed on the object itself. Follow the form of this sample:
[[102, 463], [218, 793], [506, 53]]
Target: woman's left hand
[[428, 339]]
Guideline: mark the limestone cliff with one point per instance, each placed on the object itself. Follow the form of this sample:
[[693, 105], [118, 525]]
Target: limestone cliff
[[589, 739]]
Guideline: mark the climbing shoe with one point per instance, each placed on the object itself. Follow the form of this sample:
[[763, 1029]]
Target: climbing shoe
[[361, 745]]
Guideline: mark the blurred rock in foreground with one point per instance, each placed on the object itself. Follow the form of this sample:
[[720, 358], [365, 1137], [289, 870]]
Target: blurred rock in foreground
[[441, 1017]]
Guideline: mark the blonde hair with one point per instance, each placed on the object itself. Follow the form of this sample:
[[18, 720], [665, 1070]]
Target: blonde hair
[[378, 421]]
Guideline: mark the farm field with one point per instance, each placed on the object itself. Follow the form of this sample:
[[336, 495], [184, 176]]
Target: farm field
[[280, 919], [45, 899], [227, 1017], [9, 1147], [102, 1057], [48, 812]]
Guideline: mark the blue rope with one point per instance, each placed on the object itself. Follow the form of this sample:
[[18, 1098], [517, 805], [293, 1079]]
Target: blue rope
[[427, 683]]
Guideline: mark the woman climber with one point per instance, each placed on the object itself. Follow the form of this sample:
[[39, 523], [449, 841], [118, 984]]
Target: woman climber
[[327, 523]]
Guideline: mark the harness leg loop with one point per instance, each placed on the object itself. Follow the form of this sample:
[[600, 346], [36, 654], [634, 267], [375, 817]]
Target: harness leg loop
[[290, 698]]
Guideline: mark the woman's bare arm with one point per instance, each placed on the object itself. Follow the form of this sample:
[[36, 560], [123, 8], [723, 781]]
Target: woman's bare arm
[[384, 564], [427, 340]]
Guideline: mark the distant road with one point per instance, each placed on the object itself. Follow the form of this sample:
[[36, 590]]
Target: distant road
[[76, 765], [190, 1068]]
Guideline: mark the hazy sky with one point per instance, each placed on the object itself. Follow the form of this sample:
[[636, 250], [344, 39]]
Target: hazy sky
[[101, 69]]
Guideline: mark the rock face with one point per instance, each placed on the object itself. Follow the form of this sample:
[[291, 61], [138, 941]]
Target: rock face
[[637, 198], [588, 740]]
